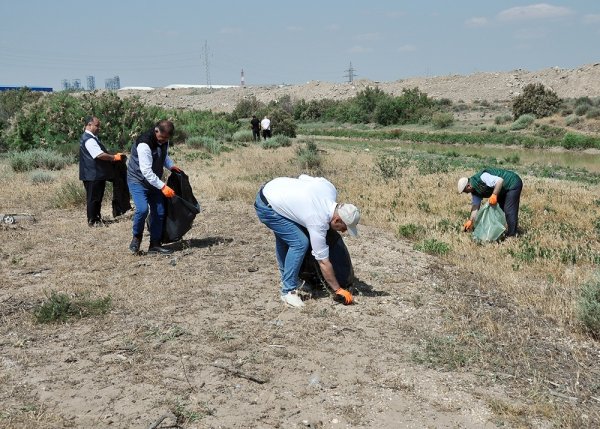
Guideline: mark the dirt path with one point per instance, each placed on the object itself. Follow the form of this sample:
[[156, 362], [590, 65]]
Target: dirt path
[[178, 321]]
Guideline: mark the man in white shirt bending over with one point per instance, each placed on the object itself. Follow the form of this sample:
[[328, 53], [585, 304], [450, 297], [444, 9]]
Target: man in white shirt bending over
[[289, 207]]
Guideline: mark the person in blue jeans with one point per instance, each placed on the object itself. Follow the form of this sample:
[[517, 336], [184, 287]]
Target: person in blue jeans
[[149, 156], [289, 207]]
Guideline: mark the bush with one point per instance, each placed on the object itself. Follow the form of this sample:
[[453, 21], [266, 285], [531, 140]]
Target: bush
[[572, 120], [210, 144], [243, 136], [442, 120], [502, 119], [38, 158], [308, 157], [536, 100], [276, 142], [282, 122], [582, 109], [71, 194], [390, 167], [246, 108], [588, 307], [522, 122], [593, 113], [58, 119], [41, 177], [580, 141]]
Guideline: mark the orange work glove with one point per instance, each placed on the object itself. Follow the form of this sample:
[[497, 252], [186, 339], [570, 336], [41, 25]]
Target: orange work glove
[[468, 225], [344, 295], [493, 200], [168, 192], [176, 169], [117, 157]]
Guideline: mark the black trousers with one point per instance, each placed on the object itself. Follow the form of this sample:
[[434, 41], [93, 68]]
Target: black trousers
[[509, 203], [266, 134], [94, 191], [255, 134]]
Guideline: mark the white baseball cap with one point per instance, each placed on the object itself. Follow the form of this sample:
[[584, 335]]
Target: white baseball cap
[[462, 184], [350, 215]]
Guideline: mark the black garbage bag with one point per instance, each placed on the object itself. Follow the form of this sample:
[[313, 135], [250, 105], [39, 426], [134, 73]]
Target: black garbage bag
[[121, 200], [339, 258], [181, 210]]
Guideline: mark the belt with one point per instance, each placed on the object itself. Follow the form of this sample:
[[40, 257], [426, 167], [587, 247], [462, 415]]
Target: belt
[[263, 198]]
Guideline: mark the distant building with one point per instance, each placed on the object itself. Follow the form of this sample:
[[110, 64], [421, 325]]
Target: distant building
[[31, 88]]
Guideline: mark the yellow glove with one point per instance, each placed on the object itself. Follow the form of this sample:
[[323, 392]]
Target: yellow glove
[[468, 225], [168, 192], [117, 157], [493, 200], [344, 295]]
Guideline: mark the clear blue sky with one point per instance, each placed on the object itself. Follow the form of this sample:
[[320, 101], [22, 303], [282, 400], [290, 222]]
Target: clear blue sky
[[152, 43]]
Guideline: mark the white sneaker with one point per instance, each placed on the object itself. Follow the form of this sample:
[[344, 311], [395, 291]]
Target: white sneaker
[[292, 299]]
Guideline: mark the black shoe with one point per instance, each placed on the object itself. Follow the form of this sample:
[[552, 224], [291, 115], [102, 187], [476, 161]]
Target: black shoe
[[156, 248], [134, 246]]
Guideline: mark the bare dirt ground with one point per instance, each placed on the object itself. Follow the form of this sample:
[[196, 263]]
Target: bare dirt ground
[[489, 86], [203, 334]]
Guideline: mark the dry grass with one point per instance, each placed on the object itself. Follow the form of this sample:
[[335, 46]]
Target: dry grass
[[510, 320]]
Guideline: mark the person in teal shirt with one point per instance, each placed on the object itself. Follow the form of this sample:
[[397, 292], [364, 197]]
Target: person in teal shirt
[[501, 187]]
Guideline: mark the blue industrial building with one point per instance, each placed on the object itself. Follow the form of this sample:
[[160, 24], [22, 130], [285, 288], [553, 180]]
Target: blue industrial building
[[31, 88]]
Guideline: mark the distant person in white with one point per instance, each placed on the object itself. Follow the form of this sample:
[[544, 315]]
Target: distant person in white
[[286, 206], [265, 126]]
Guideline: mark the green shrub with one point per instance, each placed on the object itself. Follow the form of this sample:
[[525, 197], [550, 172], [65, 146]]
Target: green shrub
[[537, 100], [588, 307], [71, 194], [442, 120], [210, 144], [582, 109], [432, 247], [276, 142], [282, 122], [572, 120], [41, 177], [503, 119], [243, 136], [308, 157], [584, 101], [593, 113], [59, 307], [522, 122], [38, 158], [411, 231], [246, 107], [580, 141], [390, 167]]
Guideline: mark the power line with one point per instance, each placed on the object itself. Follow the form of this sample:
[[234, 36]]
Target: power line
[[350, 73]]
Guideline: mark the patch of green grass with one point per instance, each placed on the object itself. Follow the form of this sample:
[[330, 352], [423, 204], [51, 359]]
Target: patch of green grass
[[60, 307], [41, 177], [308, 157], [432, 247], [411, 231], [276, 142], [38, 159]]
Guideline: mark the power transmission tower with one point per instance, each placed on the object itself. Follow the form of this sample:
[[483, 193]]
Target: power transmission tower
[[350, 73], [207, 63]]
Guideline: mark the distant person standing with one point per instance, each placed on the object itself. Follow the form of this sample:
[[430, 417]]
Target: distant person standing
[[265, 125], [95, 168], [255, 123], [149, 155]]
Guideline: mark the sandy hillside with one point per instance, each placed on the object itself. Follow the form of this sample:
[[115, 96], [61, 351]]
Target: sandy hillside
[[489, 86]]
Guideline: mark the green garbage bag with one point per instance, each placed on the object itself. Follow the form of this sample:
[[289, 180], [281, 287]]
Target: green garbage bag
[[490, 223]]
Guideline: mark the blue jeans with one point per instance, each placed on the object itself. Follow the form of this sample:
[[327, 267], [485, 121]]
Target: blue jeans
[[144, 199], [291, 243]]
